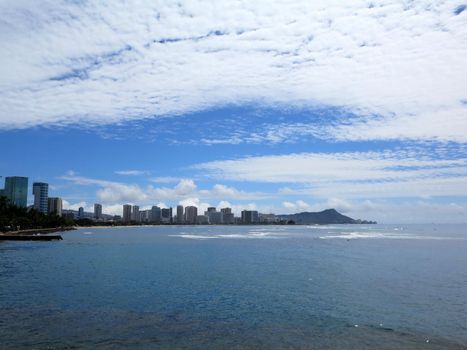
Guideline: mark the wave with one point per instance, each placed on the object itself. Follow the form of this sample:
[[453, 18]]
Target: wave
[[343, 227], [249, 235], [385, 235]]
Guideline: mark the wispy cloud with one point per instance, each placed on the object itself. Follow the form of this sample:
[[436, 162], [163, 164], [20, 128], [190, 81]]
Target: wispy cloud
[[165, 179], [398, 65], [132, 172], [350, 174]]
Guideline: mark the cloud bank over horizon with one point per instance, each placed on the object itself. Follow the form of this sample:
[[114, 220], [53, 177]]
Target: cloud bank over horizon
[[399, 67]]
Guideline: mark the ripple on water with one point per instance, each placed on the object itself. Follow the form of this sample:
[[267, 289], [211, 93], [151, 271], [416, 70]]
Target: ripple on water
[[46, 328]]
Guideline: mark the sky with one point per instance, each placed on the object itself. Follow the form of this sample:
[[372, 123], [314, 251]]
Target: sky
[[277, 106]]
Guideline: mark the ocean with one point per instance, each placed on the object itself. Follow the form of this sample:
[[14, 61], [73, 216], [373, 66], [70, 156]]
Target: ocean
[[238, 287]]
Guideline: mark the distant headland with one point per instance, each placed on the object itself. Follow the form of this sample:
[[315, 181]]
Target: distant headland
[[325, 217]]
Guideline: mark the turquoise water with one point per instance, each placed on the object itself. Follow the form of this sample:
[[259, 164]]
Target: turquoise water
[[241, 287]]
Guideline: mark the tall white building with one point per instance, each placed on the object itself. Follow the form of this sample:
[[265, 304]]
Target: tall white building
[[97, 211], [135, 216], [40, 190], [55, 206], [145, 215]]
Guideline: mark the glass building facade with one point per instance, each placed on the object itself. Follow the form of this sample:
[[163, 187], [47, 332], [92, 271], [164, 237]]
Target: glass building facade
[[40, 190], [16, 190]]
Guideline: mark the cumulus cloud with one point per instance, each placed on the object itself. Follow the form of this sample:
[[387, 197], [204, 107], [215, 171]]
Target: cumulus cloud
[[194, 201], [299, 205], [398, 66], [118, 192], [75, 206]]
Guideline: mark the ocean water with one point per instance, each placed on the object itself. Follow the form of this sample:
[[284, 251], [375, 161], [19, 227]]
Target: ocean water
[[238, 287]]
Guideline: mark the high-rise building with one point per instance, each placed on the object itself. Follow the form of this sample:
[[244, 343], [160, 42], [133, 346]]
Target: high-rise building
[[250, 217], [40, 190], [191, 212], [227, 216], [202, 220], [267, 218], [215, 218], [55, 206], [226, 211], [80, 213], [126, 217], [155, 215], [166, 215], [135, 214], [16, 190], [97, 211], [179, 214], [145, 215]]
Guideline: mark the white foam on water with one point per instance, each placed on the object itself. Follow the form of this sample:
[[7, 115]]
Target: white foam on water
[[87, 233], [234, 235], [248, 235], [385, 235], [354, 235], [347, 227], [267, 229], [324, 227], [193, 236]]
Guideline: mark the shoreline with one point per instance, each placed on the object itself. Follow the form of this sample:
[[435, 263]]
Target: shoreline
[[44, 231], [191, 225]]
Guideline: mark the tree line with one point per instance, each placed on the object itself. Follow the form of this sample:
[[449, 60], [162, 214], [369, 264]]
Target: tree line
[[13, 218]]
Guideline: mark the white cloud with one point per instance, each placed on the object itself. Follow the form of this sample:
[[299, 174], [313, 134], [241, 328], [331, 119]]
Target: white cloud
[[113, 209], [339, 204], [345, 166], [272, 134], [165, 179], [403, 173], [223, 191], [131, 172], [421, 211], [298, 206], [193, 201], [94, 63], [121, 193], [405, 212], [118, 192], [75, 206]]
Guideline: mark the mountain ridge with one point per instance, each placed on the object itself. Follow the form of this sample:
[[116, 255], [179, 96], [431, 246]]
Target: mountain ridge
[[325, 217]]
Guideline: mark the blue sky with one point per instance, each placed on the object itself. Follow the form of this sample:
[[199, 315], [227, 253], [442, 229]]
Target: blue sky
[[275, 106]]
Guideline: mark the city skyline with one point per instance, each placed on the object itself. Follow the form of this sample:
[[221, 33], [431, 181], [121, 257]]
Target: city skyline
[[15, 191], [281, 107]]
